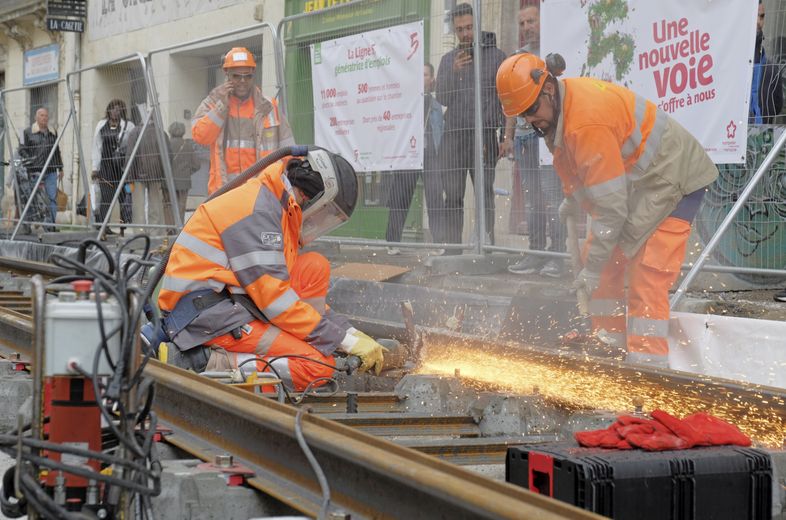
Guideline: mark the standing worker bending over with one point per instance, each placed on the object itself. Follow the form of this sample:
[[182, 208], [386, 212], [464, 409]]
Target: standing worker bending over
[[236, 281], [237, 122], [639, 174]]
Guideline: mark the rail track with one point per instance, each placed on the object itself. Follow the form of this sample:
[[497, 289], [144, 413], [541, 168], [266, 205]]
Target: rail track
[[418, 475], [369, 476]]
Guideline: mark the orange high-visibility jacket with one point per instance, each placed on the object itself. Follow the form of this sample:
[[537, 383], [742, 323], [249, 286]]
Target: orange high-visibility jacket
[[239, 133], [246, 241], [627, 162]]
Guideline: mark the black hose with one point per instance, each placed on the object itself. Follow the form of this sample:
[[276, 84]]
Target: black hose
[[17, 508]]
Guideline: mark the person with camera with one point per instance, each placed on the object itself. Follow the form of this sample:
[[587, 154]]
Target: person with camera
[[456, 91]]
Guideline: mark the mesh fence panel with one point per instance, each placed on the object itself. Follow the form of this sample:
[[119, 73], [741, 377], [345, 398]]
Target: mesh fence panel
[[188, 80], [114, 118], [38, 119], [757, 236], [417, 181], [374, 112]]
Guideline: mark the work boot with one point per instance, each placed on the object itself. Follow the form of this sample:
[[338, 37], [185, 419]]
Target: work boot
[[528, 265], [780, 296], [553, 268]]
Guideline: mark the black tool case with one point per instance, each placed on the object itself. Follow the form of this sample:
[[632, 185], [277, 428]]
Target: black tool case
[[725, 482]]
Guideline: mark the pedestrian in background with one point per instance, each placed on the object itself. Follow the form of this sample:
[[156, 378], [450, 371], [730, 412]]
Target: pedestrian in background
[[402, 183], [540, 184], [37, 143], [185, 163], [151, 202], [766, 99], [109, 148], [456, 91]]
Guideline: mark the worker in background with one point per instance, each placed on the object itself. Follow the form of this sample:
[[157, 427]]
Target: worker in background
[[237, 122], [237, 287], [639, 174]]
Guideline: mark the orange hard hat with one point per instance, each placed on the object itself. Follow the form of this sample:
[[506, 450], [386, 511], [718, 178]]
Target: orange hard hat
[[520, 79], [239, 57]]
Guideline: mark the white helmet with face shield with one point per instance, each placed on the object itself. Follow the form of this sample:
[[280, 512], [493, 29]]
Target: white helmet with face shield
[[331, 185]]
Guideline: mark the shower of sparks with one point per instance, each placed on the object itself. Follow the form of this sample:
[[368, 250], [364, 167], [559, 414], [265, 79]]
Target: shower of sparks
[[589, 387]]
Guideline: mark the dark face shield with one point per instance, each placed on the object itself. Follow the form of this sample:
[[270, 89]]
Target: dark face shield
[[326, 212]]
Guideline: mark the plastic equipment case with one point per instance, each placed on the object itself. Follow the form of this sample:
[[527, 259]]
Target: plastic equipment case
[[703, 483]]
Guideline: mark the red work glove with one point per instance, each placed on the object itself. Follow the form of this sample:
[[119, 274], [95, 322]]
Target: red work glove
[[657, 441], [664, 432], [607, 438], [702, 429], [681, 429], [716, 432], [647, 434]]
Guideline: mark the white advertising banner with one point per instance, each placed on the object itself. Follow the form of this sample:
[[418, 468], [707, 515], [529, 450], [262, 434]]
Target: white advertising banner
[[368, 97], [112, 17], [692, 59]]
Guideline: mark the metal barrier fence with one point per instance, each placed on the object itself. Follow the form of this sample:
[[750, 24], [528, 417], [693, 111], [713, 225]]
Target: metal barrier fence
[[521, 195], [413, 177], [178, 75], [27, 192], [422, 201], [127, 172]]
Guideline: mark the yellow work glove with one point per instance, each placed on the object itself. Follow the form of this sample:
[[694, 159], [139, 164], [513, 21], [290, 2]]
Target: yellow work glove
[[370, 352]]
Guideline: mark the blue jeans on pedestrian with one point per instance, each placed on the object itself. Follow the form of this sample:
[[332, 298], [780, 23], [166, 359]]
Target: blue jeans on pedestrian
[[50, 186], [542, 196]]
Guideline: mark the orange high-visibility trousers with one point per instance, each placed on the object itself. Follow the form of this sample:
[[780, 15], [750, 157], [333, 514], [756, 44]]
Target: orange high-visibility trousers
[[649, 276], [309, 278]]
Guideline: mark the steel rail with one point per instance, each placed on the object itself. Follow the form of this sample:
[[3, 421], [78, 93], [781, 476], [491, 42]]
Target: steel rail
[[740, 400], [707, 388], [578, 381], [473, 451], [408, 424], [32, 267], [369, 477], [367, 402]]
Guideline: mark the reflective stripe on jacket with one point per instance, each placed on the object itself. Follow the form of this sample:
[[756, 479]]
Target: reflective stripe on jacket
[[247, 242], [628, 163], [239, 133]]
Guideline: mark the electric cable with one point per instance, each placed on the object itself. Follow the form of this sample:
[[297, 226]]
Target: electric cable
[[312, 460], [134, 429], [306, 391]]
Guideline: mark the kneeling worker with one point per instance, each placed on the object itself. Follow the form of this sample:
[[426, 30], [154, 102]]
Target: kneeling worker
[[236, 282], [639, 174]]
